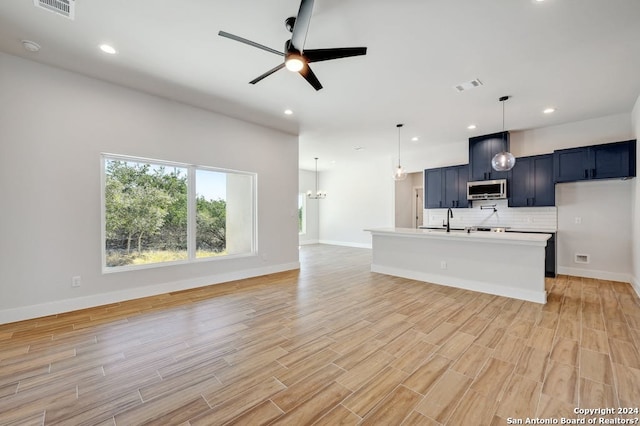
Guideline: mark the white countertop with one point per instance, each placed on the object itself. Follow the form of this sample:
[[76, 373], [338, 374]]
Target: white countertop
[[461, 235]]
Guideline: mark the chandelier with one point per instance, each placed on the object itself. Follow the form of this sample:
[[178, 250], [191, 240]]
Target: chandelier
[[318, 195]]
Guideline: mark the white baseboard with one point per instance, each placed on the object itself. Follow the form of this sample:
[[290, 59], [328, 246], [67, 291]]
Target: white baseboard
[[636, 285], [308, 242], [591, 273], [345, 244], [479, 286], [67, 305]]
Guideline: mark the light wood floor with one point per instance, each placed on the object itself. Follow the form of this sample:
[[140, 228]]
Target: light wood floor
[[331, 344]]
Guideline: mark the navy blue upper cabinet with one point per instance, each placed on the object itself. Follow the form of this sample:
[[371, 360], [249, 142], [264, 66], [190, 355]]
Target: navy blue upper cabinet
[[607, 161], [455, 186], [433, 188], [446, 187], [531, 182], [482, 149]]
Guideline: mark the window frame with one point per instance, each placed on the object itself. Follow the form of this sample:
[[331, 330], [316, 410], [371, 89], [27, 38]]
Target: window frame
[[191, 213]]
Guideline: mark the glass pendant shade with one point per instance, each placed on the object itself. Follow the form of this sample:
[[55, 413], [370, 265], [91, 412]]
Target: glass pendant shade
[[503, 161], [400, 174]]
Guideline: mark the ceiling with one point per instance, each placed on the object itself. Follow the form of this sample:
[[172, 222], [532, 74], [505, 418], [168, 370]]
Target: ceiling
[[580, 56]]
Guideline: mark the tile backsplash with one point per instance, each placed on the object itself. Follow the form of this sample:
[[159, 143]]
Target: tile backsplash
[[517, 218]]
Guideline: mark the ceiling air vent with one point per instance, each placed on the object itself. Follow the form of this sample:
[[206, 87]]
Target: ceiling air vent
[[468, 85], [65, 8]]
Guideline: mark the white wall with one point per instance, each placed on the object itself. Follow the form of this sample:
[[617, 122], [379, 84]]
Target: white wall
[[307, 181], [403, 213], [635, 211], [53, 126], [604, 211], [360, 196]]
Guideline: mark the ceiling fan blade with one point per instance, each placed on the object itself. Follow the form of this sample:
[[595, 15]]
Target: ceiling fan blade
[[249, 42], [310, 77], [301, 26], [267, 74], [317, 55]]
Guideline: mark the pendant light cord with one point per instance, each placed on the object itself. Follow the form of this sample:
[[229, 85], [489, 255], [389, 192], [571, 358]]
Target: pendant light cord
[[503, 99], [316, 158], [399, 126]]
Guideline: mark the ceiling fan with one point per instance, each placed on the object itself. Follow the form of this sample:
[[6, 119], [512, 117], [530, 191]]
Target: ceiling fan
[[296, 58]]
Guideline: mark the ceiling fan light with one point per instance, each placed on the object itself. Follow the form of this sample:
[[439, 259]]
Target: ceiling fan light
[[503, 161], [294, 63]]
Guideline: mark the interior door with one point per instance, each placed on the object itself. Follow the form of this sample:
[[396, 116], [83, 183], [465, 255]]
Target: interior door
[[419, 206]]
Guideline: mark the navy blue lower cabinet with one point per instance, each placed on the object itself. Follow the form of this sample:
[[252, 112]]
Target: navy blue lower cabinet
[[531, 182]]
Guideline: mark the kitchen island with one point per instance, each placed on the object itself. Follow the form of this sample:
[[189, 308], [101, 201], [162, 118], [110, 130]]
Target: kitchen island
[[502, 263]]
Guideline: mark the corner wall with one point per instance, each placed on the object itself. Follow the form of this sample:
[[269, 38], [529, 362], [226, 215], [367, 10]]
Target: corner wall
[[308, 182], [54, 125], [635, 212]]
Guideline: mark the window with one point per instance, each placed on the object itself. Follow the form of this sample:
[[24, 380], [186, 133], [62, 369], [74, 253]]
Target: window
[[302, 213], [157, 212]]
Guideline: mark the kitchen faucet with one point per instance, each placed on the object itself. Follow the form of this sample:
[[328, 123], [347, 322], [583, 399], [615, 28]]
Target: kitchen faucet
[[449, 214]]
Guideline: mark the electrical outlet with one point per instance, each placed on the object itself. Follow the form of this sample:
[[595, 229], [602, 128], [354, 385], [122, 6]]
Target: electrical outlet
[[578, 220], [443, 264], [76, 281]]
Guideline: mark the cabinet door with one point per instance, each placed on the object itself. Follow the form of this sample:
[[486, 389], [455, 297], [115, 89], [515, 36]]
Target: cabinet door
[[609, 161], [531, 182], [463, 178], [478, 160], [550, 257], [451, 187], [519, 186], [570, 165], [433, 188], [543, 186], [481, 151]]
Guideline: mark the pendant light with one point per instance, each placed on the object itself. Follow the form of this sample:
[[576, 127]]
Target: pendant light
[[503, 161], [318, 195], [400, 173]]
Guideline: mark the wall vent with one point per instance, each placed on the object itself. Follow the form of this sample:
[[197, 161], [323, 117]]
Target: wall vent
[[468, 85], [65, 8], [581, 258]]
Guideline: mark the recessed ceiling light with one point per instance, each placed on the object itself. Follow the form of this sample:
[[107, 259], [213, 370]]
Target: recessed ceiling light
[[108, 49], [31, 46], [471, 126], [288, 112], [549, 110], [414, 139]]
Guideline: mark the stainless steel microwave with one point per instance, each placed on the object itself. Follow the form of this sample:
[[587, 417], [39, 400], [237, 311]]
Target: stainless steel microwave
[[487, 190]]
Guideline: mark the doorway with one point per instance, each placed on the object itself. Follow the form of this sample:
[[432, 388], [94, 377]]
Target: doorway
[[418, 207]]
